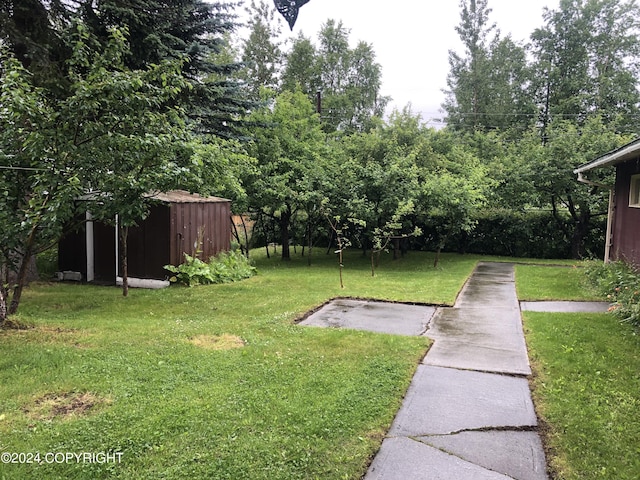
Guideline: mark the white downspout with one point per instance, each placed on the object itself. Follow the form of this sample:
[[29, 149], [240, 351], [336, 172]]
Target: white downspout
[[90, 248], [117, 250]]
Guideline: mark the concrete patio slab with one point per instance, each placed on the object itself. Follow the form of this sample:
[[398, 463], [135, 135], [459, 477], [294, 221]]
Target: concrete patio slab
[[382, 317], [519, 455], [406, 459], [568, 307], [445, 401]]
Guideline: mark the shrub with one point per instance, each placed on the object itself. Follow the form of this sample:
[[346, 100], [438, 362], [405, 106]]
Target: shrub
[[620, 282], [225, 267], [533, 234]]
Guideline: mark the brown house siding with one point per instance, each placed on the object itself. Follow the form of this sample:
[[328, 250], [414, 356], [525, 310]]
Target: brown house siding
[[626, 224]]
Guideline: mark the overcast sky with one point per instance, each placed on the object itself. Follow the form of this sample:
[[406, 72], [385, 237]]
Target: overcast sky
[[412, 38]]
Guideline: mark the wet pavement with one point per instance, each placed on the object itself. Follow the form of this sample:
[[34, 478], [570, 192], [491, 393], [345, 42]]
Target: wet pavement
[[468, 412], [565, 307], [382, 317]]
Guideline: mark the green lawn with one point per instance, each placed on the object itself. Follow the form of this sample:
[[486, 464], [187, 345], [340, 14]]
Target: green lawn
[[219, 382], [140, 376], [545, 282], [587, 381]]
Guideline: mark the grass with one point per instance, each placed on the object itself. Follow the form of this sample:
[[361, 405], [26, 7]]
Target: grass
[[219, 382], [143, 377], [586, 380], [586, 390], [544, 282]]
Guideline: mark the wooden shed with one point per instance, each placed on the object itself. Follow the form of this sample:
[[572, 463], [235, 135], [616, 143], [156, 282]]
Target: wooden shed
[[178, 223], [623, 226]]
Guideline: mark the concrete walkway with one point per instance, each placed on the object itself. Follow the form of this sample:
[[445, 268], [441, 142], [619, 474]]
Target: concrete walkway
[[468, 413]]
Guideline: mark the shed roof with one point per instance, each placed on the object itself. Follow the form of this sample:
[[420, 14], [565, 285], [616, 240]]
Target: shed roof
[[182, 196], [626, 152]]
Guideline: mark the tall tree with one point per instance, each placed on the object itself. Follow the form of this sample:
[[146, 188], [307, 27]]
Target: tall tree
[[262, 53], [301, 69], [549, 168], [467, 100], [511, 105], [349, 79], [193, 30], [189, 30], [587, 62], [288, 146]]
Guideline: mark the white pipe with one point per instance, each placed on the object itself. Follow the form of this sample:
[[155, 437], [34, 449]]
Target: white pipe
[[117, 249], [90, 248]]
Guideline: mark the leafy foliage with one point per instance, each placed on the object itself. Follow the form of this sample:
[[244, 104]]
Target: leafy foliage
[[587, 58], [117, 135], [349, 79], [289, 148], [620, 282], [225, 267]]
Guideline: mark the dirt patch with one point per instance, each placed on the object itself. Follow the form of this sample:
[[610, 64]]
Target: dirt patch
[[63, 405], [13, 324], [50, 335], [217, 342]]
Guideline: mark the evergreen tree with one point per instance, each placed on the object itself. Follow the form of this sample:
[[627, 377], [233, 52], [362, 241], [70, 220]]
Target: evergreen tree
[[31, 30], [190, 30]]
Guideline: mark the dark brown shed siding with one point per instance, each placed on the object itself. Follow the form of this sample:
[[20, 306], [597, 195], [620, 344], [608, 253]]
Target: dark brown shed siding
[[626, 224], [187, 220], [147, 248], [104, 245], [72, 251]]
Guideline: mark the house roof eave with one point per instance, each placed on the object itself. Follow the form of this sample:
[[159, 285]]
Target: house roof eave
[[626, 152]]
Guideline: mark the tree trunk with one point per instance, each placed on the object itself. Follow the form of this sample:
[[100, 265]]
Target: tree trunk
[[441, 245], [246, 235], [21, 279], [580, 231], [340, 259], [331, 233], [310, 243], [3, 303], [285, 219], [373, 266], [237, 235], [124, 233]]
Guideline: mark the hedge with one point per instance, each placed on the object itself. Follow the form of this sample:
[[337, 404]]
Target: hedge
[[532, 234]]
